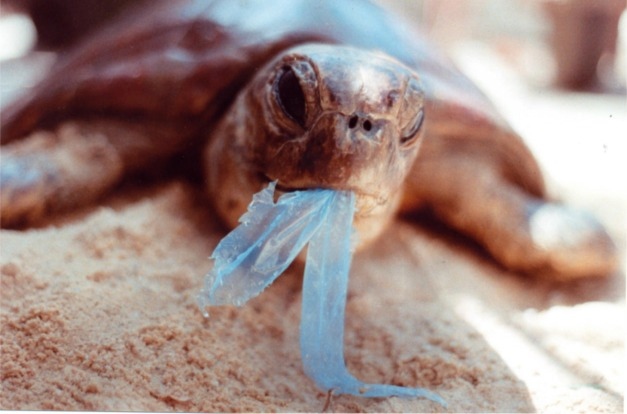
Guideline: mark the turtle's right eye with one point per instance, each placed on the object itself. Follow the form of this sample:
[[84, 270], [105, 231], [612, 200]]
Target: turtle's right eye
[[290, 96]]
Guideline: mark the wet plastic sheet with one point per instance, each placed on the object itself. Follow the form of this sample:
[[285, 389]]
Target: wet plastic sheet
[[266, 242], [268, 239]]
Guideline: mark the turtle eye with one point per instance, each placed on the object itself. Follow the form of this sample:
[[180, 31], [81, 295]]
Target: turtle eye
[[412, 113], [290, 96], [411, 130]]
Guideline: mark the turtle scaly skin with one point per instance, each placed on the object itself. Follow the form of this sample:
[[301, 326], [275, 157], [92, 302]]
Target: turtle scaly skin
[[184, 74]]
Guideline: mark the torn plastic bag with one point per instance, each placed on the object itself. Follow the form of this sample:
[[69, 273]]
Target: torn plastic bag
[[266, 242], [268, 239]]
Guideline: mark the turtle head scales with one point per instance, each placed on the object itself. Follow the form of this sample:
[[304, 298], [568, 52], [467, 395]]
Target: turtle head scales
[[320, 116]]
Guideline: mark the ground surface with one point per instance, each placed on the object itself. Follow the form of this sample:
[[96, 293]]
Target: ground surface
[[98, 308], [98, 312]]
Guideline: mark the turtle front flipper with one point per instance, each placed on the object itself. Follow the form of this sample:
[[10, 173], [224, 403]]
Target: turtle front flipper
[[72, 166], [54, 171], [523, 232]]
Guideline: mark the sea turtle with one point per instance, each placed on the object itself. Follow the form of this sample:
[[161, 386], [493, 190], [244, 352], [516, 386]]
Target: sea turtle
[[334, 94]]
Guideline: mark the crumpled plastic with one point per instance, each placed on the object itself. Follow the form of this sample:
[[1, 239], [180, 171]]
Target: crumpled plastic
[[268, 239]]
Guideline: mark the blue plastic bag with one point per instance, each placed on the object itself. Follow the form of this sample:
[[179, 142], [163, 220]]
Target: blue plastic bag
[[268, 239]]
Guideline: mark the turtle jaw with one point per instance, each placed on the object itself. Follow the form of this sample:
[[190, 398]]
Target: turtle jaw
[[372, 211], [366, 202]]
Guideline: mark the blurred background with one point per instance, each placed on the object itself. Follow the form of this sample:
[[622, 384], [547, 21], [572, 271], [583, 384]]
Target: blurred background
[[572, 44], [555, 68], [576, 40]]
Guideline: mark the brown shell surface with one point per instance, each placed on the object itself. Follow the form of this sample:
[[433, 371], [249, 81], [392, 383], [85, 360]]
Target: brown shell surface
[[182, 63]]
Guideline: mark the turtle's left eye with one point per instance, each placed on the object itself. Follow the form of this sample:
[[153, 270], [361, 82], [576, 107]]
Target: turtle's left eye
[[411, 130], [291, 97], [412, 113]]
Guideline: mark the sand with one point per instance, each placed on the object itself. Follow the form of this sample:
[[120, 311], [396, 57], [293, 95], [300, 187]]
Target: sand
[[98, 312]]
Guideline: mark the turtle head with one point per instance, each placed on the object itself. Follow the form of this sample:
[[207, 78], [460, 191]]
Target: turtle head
[[323, 116]]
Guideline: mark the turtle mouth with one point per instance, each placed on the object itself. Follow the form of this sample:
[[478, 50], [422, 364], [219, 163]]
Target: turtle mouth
[[279, 186], [367, 203], [288, 189]]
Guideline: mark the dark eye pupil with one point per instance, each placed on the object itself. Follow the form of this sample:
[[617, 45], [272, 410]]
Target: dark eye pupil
[[291, 96]]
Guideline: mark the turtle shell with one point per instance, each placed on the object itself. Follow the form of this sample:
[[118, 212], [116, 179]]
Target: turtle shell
[[181, 63]]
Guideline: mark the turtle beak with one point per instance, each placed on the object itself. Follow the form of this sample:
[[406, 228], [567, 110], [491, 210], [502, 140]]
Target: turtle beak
[[339, 151], [280, 186], [355, 134], [338, 147]]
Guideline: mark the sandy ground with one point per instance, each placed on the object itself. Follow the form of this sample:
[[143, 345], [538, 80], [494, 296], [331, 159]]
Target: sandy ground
[[98, 313], [98, 307]]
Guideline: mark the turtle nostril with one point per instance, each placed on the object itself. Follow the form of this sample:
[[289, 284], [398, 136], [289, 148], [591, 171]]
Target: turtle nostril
[[352, 122], [366, 124]]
